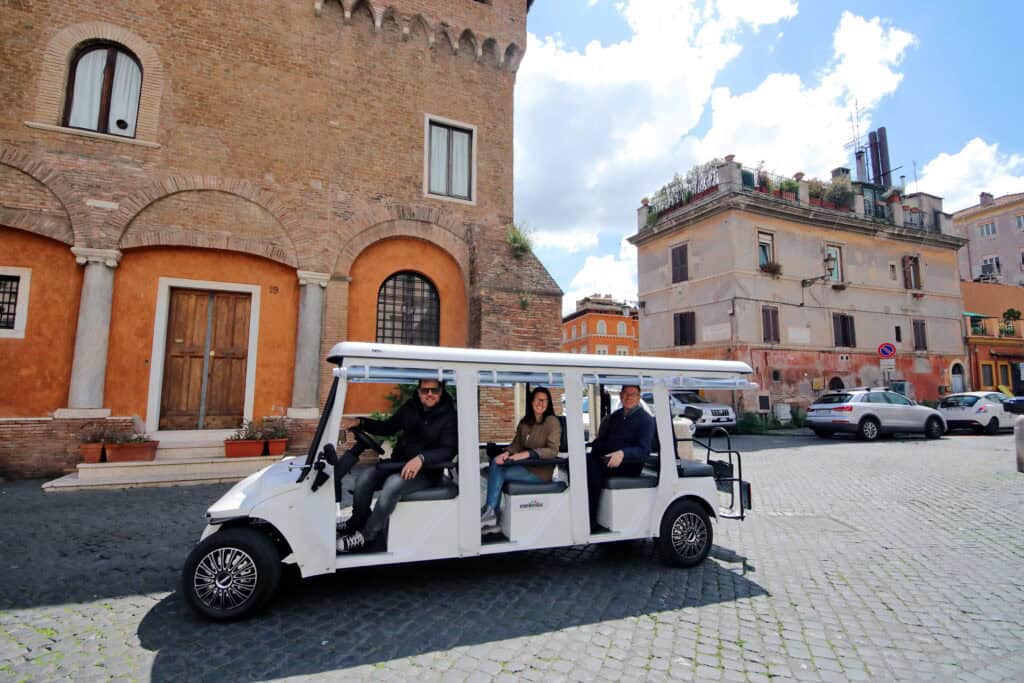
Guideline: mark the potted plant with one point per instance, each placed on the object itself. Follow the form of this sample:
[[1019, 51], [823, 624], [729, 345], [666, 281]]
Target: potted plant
[[130, 447], [773, 268], [276, 434], [788, 189], [839, 193], [91, 442], [816, 191], [246, 442]]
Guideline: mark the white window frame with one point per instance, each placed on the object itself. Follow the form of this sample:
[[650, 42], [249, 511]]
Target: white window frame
[[24, 276], [622, 329], [601, 328], [474, 145], [583, 329], [994, 260], [987, 230], [601, 349], [1020, 222], [764, 237], [838, 274], [621, 350]]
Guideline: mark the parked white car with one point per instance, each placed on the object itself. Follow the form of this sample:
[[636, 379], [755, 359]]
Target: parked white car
[[682, 427], [977, 410], [712, 414], [871, 412]]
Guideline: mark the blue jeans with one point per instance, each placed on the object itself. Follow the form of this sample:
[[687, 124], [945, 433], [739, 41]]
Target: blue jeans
[[498, 475]]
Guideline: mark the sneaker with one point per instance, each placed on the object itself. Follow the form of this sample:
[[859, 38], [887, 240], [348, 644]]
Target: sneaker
[[354, 541], [488, 517]]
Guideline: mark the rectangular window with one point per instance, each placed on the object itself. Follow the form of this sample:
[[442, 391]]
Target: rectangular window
[[843, 330], [685, 329], [911, 272], [988, 378], [987, 230], [990, 266], [1004, 374], [450, 161], [621, 350], [770, 323], [892, 271], [601, 350], [765, 248], [899, 333], [1020, 222], [680, 264], [836, 270], [920, 340], [14, 290]]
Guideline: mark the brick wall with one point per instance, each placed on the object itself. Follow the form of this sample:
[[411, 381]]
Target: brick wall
[[45, 447]]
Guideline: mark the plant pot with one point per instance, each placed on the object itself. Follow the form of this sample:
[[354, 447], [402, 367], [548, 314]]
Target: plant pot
[[789, 196], [141, 451], [276, 446], [815, 201], [243, 448], [91, 452]]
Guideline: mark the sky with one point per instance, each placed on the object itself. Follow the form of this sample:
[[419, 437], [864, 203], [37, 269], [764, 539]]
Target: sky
[[613, 97]]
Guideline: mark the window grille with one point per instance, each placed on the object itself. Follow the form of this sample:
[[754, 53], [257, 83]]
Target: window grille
[[8, 300], [408, 310]]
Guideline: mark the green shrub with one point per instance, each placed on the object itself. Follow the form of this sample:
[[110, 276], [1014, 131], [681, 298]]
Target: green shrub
[[799, 417], [750, 423], [518, 239]]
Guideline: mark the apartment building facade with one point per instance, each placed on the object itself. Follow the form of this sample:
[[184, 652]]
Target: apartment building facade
[[994, 230], [736, 265], [994, 336], [197, 201], [602, 326]]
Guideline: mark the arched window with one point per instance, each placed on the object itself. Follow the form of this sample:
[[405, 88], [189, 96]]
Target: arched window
[[622, 329], [408, 310], [103, 90], [602, 328]]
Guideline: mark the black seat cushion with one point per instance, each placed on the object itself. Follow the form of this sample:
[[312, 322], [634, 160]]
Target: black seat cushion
[[692, 468], [519, 488], [446, 490], [641, 482]]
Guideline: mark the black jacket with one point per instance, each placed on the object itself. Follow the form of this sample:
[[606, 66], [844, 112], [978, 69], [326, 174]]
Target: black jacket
[[433, 433]]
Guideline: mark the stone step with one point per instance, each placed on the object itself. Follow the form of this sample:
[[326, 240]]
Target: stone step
[[172, 469], [190, 453], [72, 482]]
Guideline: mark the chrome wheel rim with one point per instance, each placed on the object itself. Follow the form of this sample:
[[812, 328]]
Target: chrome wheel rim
[[225, 578], [689, 535], [870, 429]]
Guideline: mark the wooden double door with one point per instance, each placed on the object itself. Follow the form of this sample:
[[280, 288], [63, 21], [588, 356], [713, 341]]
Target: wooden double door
[[206, 358]]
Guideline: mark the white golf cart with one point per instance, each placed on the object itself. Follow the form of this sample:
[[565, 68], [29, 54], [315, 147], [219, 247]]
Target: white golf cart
[[286, 513]]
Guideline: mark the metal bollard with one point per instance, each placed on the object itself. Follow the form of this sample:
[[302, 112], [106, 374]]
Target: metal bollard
[[1018, 438]]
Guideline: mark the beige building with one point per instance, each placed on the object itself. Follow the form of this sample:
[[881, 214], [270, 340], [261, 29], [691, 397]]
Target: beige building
[[994, 230], [735, 264]]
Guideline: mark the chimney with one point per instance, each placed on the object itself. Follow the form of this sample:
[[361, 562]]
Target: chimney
[[841, 172], [862, 167], [883, 151], [986, 199], [876, 169]]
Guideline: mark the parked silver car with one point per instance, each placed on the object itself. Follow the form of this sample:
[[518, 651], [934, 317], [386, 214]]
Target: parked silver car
[[871, 412], [977, 410]]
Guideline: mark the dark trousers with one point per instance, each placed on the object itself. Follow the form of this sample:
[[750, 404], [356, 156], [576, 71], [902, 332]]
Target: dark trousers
[[598, 473]]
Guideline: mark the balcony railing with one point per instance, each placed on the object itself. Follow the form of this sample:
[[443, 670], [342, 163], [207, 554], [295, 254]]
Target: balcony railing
[[993, 327]]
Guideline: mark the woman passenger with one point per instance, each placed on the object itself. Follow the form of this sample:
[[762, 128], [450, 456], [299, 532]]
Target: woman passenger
[[537, 435]]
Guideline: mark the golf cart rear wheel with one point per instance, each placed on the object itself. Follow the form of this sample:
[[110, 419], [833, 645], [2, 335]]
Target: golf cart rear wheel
[[231, 574], [686, 534]]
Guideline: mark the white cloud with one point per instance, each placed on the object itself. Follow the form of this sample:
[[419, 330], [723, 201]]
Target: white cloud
[[610, 274], [571, 241], [793, 126], [978, 167]]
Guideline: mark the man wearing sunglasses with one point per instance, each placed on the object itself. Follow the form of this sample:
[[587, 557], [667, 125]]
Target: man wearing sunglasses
[[430, 435]]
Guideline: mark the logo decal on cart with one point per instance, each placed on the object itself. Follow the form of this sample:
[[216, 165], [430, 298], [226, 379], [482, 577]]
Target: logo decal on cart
[[531, 504]]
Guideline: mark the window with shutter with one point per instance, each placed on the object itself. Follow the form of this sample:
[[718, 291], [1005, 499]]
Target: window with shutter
[[843, 330], [920, 340], [911, 272], [770, 323], [685, 329], [680, 264]]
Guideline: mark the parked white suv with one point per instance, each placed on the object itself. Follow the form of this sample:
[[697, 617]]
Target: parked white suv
[[871, 412], [712, 414]]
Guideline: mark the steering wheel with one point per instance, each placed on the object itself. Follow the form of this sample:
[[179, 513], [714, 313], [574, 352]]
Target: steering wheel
[[367, 441]]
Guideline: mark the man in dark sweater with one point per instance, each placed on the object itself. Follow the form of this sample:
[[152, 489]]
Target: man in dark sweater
[[622, 444], [430, 435]]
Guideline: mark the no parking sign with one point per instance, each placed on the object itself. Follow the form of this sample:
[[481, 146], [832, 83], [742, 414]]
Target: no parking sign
[[886, 350]]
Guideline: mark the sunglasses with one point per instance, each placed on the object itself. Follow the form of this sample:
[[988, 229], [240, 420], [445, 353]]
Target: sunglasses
[[430, 390]]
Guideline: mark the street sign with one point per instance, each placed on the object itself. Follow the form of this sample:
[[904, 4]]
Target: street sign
[[889, 363], [886, 350]]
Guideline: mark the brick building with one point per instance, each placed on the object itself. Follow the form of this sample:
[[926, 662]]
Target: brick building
[[197, 199], [602, 326], [735, 264]]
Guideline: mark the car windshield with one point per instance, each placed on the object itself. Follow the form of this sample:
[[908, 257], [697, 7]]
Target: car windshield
[[689, 398], [834, 398], [958, 401]]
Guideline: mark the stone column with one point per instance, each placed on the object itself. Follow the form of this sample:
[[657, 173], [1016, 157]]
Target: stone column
[[89, 368], [306, 384], [858, 205], [897, 213], [730, 176]]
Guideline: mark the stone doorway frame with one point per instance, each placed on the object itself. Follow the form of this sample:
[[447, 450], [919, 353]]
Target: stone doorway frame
[[156, 361]]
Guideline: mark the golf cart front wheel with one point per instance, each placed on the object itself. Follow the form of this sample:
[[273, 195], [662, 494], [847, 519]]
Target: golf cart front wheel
[[686, 534], [231, 574]]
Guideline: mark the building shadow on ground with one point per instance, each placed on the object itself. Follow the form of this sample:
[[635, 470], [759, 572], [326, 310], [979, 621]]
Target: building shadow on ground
[[368, 616]]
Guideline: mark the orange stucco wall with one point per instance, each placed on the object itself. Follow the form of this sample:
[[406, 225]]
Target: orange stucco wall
[[377, 263], [37, 369], [134, 311]]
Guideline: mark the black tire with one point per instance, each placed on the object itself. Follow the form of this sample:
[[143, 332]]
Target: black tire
[[992, 427], [686, 534], [869, 429], [933, 428], [231, 574], [822, 433]]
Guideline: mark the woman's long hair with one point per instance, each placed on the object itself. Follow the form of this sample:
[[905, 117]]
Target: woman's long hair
[[530, 418]]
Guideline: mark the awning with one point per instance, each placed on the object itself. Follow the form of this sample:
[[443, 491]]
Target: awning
[[977, 315]]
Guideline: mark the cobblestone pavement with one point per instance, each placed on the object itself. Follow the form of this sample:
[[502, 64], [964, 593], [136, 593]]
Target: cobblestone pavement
[[895, 560]]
